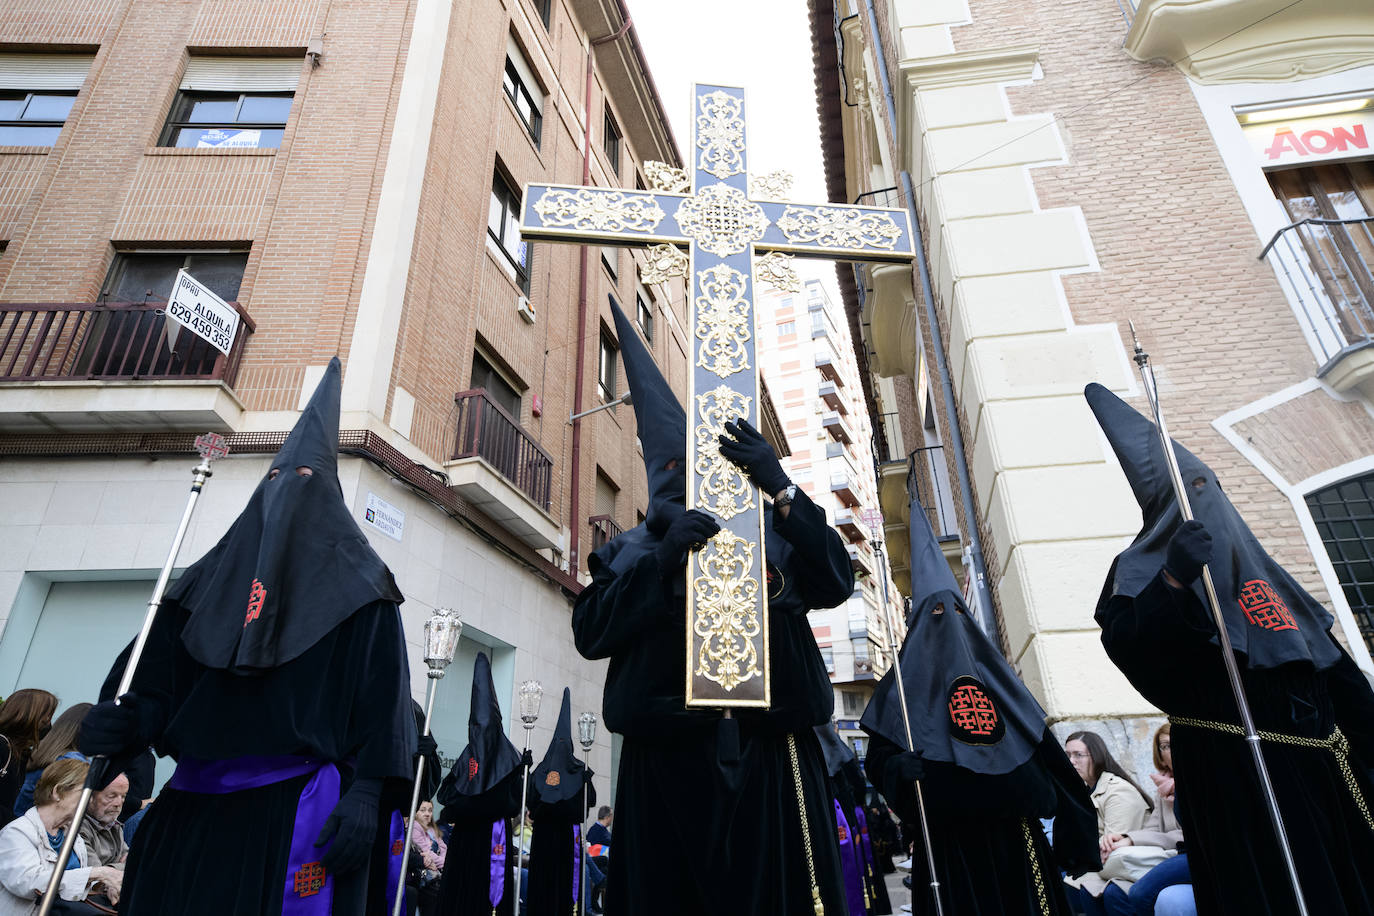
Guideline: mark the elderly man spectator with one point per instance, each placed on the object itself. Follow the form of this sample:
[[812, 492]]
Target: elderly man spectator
[[101, 830]]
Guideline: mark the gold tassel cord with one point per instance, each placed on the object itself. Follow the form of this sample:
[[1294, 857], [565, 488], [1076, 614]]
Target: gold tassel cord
[[816, 904], [1337, 744], [1038, 878]]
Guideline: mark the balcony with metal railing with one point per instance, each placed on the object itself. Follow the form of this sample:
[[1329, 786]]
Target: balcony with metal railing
[[848, 524], [499, 467], [830, 394], [845, 486], [828, 366], [835, 425], [604, 529], [106, 366], [1327, 268]]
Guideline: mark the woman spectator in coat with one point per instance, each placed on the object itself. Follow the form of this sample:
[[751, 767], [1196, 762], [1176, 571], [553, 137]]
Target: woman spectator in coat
[[24, 719], [1121, 806], [58, 744], [1161, 828], [426, 839], [29, 846]]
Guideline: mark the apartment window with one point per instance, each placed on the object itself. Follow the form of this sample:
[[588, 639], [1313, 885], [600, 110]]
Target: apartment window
[[139, 276], [36, 95], [523, 91], [610, 259], [828, 657], [610, 142], [1344, 514], [644, 317], [503, 227], [232, 103], [607, 357], [605, 495], [786, 328], [545, 11], [853, 703], [818, 323], [484, 375]]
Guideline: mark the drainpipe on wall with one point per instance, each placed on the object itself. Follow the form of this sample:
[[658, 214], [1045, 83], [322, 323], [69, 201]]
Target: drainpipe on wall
[[575, 472], [956, 436]]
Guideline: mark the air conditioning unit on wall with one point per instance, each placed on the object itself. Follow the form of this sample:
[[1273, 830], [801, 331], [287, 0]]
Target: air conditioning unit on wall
[[522, 305]]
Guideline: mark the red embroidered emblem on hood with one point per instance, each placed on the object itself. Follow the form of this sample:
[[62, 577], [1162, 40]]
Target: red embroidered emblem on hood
[[472, 768], [256, 596], [1264, 607]]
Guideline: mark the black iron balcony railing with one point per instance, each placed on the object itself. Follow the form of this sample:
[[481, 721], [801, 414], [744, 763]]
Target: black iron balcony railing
[[603, 529], [46, 341], [927, 480], [486, 431], [1328, 266]]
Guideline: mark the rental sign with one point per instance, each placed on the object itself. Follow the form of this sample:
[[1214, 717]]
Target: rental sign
[[1297, 142], [193, 306]]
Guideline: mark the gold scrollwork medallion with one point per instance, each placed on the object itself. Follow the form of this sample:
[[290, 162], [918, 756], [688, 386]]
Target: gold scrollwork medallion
[[720, 134], [665, 263], [834, 227], [722, 488], [727, 619], [598, 211], [723, 322], [667, 178], [775, 269], [721, 219]]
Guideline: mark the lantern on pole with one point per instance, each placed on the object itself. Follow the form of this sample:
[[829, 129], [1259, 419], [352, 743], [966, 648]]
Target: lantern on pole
[[527, 701], [586, 736]]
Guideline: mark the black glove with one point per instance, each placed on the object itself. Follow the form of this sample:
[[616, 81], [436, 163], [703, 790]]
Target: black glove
[[353, 826], [688, 531], [751, 451], [905, 768], [527, 759], [1189, 549], [426, 746], [110, 729]]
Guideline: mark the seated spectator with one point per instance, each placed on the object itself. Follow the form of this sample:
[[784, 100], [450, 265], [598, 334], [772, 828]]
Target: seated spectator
[[101, 830], [1121, 808], [24, 719], [29, 846], [58, 744], [1126, 898]]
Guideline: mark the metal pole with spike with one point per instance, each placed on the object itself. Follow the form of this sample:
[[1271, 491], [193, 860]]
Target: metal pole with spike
[[211, 447], [889, 635], [1247, 722]]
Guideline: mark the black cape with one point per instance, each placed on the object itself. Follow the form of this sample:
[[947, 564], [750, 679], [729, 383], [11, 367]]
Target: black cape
[[481, 791], [561, 793], [993, 769], [325, 676], [847, 787]]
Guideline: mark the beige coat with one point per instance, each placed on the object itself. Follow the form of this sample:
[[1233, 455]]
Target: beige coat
[[1120, 809]]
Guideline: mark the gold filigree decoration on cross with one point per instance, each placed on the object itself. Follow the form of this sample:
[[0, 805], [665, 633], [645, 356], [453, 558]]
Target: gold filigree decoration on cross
[[775, 269], [722, 488], [665, 262], [836, 228], [720, 134], [598, 211], [726, 614], [667, 178], [774, 185], [721, 219], [723, 321]]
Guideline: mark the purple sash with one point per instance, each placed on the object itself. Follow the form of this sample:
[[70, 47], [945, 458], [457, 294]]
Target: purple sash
[[853, 877], [496, 889], [308, 889], [577, 860], [395, 849]]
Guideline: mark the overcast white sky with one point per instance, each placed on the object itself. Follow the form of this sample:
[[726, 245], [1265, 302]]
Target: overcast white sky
[[762, 45]]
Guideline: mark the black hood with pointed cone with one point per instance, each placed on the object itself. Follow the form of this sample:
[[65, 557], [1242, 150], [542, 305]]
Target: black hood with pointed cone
[[1270, 618], [489, 756], [293, 566], [559, 775], [966, 705]]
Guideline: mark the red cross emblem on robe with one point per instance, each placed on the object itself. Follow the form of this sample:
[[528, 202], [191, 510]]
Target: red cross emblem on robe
[[1264, 607], [397, 847], [308, 881], [499, 849], [972, 714], [256, 596], [472, 768]]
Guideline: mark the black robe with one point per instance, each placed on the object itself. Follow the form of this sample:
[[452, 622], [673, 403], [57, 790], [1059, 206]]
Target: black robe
[[980, 828], [466, 886], [696, 828], [346, 699], [847, 788], [1161, 640], [552, 852]]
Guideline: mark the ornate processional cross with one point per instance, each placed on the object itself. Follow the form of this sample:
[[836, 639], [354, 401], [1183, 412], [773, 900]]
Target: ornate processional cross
[[712, 214]]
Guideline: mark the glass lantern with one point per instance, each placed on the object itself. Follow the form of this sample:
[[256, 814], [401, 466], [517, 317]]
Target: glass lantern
[[586, 730], [529, 696], [442, 630]]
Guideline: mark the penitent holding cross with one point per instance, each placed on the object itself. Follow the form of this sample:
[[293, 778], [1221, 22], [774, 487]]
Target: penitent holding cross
[[712, 214]]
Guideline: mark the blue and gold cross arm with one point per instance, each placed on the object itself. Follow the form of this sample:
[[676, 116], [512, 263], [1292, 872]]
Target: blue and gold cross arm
[[612, 216]]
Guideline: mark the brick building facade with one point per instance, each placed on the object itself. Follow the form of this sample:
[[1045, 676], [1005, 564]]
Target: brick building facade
[[1075, 166], [348, 174]]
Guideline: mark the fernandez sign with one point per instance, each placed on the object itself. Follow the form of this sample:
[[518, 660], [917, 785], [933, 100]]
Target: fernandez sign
[[205, 314]]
